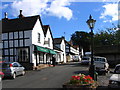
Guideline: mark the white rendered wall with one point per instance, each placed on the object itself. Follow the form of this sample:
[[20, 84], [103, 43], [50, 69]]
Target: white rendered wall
[[48, 35], [37, 29], [63, 55]]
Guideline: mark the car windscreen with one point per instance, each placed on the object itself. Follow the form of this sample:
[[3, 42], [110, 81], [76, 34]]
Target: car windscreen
[[99, 59], [117, 70]]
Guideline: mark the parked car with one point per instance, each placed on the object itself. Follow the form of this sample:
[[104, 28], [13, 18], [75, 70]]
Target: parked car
[[86, 60], [101, 64], [12, 69], [114, 80], [76, 58], [1, 75]]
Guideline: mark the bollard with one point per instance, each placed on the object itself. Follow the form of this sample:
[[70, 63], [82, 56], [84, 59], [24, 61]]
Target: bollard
[[95, 75]]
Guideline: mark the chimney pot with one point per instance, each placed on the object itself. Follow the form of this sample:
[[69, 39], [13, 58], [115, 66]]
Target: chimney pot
[[5, 14], [20, 16], [20, 12]]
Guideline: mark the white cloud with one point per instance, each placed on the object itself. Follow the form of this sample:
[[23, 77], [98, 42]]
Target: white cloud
[[58, 8], [110, 0], [29, 7], [4, 6], [110, 10]]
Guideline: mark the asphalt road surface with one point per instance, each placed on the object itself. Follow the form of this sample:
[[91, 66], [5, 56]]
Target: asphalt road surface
[[51, 77]]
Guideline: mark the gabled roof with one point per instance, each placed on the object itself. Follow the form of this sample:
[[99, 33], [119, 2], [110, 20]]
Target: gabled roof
[[19, 24], [57, 40], [45, 28], [56, 48]]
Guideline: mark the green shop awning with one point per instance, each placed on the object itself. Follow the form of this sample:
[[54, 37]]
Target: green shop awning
[[42, 49], [52, 52]]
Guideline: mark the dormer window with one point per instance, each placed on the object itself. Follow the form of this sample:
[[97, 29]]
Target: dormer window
[[38, 37]]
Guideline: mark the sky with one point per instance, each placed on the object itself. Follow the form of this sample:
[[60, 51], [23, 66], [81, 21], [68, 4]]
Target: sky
[[65, 16]]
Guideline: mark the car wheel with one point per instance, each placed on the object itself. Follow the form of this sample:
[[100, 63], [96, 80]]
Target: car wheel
[[104, 73], [23, 73], [13, 76]]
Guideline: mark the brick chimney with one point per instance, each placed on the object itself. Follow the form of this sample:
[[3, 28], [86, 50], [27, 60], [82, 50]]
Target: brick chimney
[[21, 16]]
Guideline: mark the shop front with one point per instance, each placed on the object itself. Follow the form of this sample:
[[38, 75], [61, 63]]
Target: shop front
[[42, 55]]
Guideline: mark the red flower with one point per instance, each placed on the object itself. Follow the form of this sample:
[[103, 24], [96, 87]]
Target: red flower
[[76, 77]]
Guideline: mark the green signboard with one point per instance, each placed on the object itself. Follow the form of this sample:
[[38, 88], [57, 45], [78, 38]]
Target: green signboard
[[52, 52], [42, 49]]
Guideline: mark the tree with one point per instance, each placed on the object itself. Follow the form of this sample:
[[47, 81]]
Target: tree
[[117, 37], [104, 38], [107, 37], [82, 39]]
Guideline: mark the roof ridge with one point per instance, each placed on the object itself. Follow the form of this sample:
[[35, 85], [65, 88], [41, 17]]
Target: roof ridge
[[21, 18]]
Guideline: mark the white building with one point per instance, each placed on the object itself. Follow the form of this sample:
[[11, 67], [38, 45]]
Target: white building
[[27, 41], [60, 43], [72, 52]]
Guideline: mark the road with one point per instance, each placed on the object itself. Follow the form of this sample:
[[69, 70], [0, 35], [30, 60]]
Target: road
[[51, 77]]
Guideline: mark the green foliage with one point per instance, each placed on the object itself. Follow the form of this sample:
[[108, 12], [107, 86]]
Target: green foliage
[[82, 39], [103, 37], [108, 37]]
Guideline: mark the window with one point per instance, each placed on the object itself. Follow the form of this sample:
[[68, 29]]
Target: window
[[11, 51], [21, 42], [49, 42], [117, 70], [27, 34], [15, 65], [6, 51], [5, 44], [11, 43], [23, 55], [4, 36], [62, 47], [15, 35], [11, 35], [21, 34], [16, 43], [38, 37]]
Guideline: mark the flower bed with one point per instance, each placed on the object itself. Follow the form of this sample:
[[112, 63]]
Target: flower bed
[[81, 81]]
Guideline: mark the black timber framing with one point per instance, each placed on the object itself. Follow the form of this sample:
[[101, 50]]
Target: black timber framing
[[8, 47], [13, 47]]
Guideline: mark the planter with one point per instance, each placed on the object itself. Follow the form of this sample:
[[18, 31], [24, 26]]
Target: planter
[[80, 87], [81, 82]]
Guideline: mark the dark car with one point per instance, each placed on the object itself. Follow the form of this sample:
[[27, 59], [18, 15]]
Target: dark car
[[12, 69], [86, 60]]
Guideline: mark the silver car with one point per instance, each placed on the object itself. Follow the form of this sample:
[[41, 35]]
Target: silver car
[[114, 81], [12, 69], [86, 60]]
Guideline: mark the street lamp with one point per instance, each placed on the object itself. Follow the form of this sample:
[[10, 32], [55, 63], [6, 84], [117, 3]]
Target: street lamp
[[91, 23]]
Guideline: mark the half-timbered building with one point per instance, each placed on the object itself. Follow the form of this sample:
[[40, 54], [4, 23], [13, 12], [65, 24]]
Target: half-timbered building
[[26, 40]]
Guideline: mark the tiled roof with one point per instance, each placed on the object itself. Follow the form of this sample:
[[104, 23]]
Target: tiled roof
[[45, 28], [19, 24], [56, 48], [57, 40]]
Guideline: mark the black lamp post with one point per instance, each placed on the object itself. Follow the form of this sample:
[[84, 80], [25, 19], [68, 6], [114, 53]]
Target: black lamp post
[[91, 23]]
